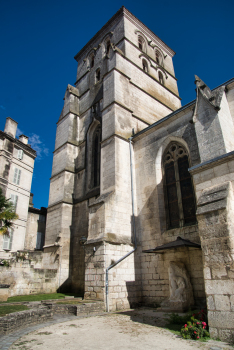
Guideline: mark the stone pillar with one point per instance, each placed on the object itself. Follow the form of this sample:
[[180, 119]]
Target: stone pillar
[[215, 216]]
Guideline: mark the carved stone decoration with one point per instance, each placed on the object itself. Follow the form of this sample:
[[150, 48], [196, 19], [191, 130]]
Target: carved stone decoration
[[181, 291]]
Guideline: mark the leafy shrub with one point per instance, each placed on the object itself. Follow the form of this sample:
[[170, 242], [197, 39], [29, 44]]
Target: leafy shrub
[[4, 262], [196, 328]]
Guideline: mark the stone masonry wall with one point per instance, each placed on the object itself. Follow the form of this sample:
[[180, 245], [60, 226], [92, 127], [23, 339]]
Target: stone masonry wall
[[216, 227], [26, 275]]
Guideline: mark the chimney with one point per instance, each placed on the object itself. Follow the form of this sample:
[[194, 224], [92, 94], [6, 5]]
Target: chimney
[[23, 139], [10, 127]]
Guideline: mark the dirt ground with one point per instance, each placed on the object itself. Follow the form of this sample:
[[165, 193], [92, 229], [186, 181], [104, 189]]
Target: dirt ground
[[134, 329]]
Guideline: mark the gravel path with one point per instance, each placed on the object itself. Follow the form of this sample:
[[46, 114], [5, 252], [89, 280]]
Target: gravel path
[[134, 329]]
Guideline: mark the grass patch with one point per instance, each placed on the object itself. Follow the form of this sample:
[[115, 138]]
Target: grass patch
[[8, 309], [39, 297]]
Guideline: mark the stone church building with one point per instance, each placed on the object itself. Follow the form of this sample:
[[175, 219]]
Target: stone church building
[[141, 207], [141, 195]]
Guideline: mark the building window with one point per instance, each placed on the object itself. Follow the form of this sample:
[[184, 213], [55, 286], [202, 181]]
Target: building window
[[108, 46], [179, 193], [141, 43], [145, 66], [7, 240], [16, 178], [20, 154], [96, 157], [91, 60], [98, 75], [158, 57], [160, 78], [14, 200]]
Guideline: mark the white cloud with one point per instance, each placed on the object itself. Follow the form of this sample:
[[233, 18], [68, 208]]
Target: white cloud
[[19, 132], [38, 146]]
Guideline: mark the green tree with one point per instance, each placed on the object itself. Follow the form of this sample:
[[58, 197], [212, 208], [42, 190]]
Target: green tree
[[7, 214]]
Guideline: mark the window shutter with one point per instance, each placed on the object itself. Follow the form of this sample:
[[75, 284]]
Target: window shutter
[[20, 154], [18, 179], [14, 199], [7, 240], [15, 175], [10, 239]]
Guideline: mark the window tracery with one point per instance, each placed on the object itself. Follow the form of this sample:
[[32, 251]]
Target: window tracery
[[179, 193], [158, 57], [141, 43]]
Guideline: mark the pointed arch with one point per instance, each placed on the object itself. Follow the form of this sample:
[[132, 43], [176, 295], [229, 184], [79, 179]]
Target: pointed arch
[[180, 204], [93, 155]]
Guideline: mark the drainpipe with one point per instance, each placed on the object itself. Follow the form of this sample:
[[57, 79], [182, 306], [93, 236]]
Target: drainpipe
[[60, 265], [134, 230]]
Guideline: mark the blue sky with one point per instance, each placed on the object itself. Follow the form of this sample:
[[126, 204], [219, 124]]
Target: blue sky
[[40, 38]]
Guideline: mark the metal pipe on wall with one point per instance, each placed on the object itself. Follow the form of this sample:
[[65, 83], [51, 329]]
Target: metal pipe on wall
[[134, 230]]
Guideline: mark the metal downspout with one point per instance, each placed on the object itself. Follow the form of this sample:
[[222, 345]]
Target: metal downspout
[[134, 230]]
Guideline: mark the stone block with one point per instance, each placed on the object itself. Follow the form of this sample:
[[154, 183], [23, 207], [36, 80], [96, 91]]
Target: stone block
[[222, 302]]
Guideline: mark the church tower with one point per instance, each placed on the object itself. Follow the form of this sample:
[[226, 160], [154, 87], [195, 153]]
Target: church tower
[[125, 81]]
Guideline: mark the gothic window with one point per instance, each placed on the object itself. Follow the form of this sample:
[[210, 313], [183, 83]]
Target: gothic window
[[145, 66], [108, 46], [92, 61], [98, 75], [160, 78], [96, 157], [179, 193], [158, 57], [141, 43]]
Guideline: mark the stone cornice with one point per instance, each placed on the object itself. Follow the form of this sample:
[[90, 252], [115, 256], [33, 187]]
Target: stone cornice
[[20, 144], [212, 163]]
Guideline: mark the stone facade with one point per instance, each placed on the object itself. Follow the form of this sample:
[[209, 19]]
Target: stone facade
[[16, 169], [122, 127], [133, 170]]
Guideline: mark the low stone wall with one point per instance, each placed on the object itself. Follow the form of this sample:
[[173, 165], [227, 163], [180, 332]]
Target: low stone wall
[[45, 312], [78, 310], [22, 319]]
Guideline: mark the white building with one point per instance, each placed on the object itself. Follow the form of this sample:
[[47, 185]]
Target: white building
[[16, 169]]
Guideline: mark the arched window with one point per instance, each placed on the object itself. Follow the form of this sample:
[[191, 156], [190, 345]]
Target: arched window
[[179, 193], [160, 78], [108, 46], [141, 43], [145, 66], [96, 157], [91, 60], [158, 57], [98, 75]]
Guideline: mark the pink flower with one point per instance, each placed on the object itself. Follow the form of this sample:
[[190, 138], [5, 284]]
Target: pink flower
[[204, 323], [198, 322], [185, 325], [195, 332], [197, 337]]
